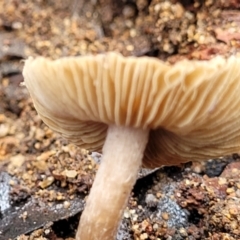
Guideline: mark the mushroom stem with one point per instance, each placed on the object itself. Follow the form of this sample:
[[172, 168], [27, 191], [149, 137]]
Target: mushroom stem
[[122, 157]]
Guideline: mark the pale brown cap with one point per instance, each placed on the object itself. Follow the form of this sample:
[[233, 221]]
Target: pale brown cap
[[192, 107]]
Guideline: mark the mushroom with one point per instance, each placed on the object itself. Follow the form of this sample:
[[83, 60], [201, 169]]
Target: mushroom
[[139, 111]]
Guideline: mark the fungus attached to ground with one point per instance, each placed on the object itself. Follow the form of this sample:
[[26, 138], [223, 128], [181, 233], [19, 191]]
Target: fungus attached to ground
[[136, 109]]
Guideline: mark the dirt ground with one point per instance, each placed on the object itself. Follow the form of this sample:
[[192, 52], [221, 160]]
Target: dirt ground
[[44, 180]]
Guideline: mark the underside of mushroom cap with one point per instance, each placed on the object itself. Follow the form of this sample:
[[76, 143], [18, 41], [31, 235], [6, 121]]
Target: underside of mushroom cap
[[192, 107]]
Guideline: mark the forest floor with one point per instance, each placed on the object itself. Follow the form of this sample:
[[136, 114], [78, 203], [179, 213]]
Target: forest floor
[[44, 180]]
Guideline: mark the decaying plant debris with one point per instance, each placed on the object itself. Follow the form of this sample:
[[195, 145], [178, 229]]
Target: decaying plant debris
[[45, 169]]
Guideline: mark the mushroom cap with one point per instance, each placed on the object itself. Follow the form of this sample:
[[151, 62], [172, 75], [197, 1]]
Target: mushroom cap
[[192, 108]]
